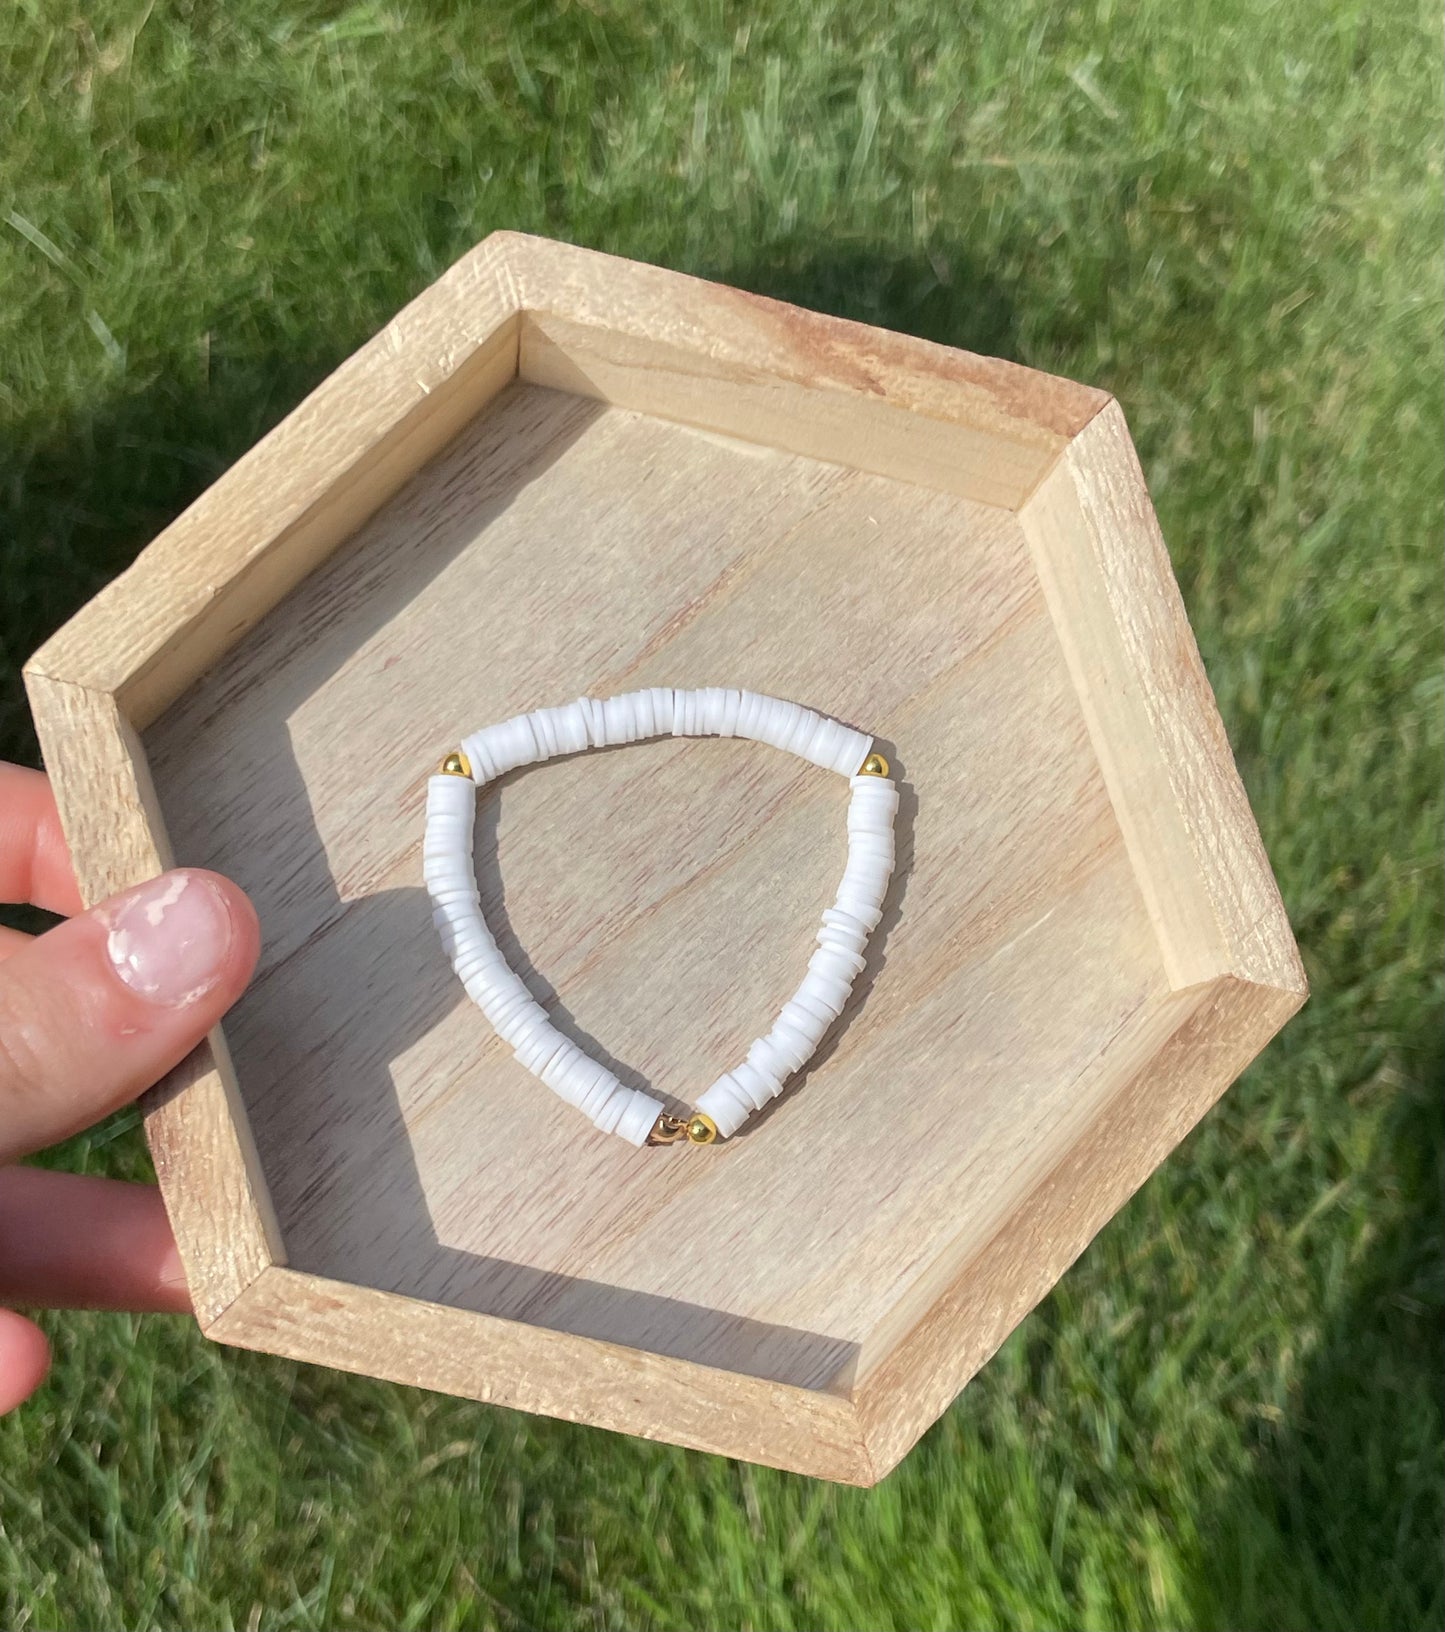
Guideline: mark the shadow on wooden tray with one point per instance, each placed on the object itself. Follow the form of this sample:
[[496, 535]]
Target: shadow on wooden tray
[[336, 1136]]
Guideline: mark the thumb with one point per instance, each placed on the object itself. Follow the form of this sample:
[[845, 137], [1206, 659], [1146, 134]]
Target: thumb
[[98, 1008]]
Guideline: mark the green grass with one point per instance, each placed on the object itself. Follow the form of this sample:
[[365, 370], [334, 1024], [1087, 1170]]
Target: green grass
[[1229, 1413]]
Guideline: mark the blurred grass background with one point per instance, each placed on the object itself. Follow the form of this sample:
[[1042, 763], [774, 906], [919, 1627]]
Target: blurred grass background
[[1229, 1414]]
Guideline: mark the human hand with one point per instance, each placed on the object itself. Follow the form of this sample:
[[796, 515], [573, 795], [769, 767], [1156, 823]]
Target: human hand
[[91, 1014]]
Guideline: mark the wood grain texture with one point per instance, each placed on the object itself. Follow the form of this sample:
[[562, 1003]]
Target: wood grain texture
[[749, 367], [302, 490], [1161, 743], [576, 1378], [210, 1175], [199, 1136]]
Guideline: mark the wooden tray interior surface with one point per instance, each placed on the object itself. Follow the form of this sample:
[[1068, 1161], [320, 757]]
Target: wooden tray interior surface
[[662, 898]]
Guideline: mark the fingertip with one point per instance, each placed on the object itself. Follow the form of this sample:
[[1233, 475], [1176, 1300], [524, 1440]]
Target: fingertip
[[24, 1359], [245, 945]]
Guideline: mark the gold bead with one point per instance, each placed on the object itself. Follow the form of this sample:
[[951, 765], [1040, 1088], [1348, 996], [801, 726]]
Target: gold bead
[[456, 763], [701, 1129], [874, 765], [667, 1130]]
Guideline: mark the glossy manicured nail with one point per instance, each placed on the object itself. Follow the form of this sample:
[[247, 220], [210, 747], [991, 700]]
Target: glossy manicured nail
[[168, 939]]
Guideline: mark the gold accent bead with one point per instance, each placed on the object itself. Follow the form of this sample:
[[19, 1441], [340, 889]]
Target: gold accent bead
[[701, 1129], [874, 765], [456, 763], [667, 1130]]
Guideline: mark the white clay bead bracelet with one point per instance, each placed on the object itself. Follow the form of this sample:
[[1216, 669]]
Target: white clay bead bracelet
[[515, 1015]]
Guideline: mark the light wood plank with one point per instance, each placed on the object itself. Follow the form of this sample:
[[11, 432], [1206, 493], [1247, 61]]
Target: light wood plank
[[722, 360], [1162, 745], [482, 1358], [199, 1136], [299, 493]]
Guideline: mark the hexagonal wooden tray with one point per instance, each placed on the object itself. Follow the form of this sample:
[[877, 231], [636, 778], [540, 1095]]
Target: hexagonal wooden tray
[[556, 473]]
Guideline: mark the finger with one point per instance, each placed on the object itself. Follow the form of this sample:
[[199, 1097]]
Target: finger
[[96, 1009], [34, 862], [11, 940], [24, 1359], [72, 1241]]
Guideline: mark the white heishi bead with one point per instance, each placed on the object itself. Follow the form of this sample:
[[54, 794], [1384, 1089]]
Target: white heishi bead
[[731, 706], [758, 1088], [453, 906], [726, 1104], [561, 1063], [480, 985], [638, 1117], [539, 1048], [853, 748], [596, 723], [613, 1110], [767, 1057], [820, 740], [596, 1092], [444, 827], [502, 1008], [445, 835], [804, 1022], [828, 992], [867, 864], [642, 713], [869, 886], [860, 904], [828, 960], [521, 745], [582, 1079], [803, 732], [662, 710], [465, 926], [881, 790], [483, 770], [569, 726], [639, 704], [615, 719], [795, 723], [545, 731], [845, 939], [450, 875], [762, 1062], [749, 711], [793, 1046], [773, 726], [710, 711], [835, 918], [871, 847], [442, 855], [869, 816], [814, 1007], [517, 1022], [473, 959], [517, 1018], [456, 795]]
